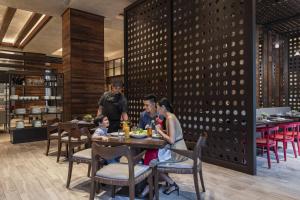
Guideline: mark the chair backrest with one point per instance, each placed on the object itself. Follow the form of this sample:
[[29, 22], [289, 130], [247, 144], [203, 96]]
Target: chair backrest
[[109, 153], [52, 126], [201, 142], [271, 131], [288, 127]]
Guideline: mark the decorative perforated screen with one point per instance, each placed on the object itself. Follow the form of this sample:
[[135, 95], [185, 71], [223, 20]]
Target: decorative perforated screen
[[147, 38], [294, 72], [211, 66]]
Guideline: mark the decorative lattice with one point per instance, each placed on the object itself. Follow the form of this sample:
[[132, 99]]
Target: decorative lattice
[[259, 70], [211, 67], [147, 53], [294, 73], [211, 76]]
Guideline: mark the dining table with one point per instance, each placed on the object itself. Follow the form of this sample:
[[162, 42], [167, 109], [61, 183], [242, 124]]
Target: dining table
[[273, 121], [144, 143]]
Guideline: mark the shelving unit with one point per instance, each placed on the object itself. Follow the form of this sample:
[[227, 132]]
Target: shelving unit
[[3, 105], [38, 90]]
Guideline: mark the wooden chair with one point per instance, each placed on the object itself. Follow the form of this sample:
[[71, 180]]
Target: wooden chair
[[67, 127], [192, 166], [119, 174], [52, 132], [82, 156]]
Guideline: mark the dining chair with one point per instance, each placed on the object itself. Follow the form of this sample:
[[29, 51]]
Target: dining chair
[[119, 174], [64, 139], [193, 165], [287, 135], [81, 156], [268, 143], [52, 132], [297, 135]]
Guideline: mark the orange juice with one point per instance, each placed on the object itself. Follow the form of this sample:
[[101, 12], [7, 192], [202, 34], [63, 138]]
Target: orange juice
[[149, 132], [126, 130]]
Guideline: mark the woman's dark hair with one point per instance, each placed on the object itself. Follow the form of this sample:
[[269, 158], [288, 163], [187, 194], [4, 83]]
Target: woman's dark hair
[[98, 120], [165, 102]]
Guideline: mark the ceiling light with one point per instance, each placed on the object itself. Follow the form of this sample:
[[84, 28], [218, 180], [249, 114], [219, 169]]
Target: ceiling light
[[276, 45], [37, 23], [297, 53]]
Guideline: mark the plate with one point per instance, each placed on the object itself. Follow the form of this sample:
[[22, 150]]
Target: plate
[[158, 136], [139, 136], [116, 134]]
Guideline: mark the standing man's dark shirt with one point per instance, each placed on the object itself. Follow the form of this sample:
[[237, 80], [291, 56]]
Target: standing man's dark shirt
[[113, 105]]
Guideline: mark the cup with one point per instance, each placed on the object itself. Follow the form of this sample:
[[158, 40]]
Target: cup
[[126, 131], [149, 131]]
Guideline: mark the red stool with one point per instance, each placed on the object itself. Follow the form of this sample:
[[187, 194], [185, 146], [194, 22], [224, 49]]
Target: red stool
[[287, 135], [266, 142]]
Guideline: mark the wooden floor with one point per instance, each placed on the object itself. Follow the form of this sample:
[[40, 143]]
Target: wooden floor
[[27, 174]]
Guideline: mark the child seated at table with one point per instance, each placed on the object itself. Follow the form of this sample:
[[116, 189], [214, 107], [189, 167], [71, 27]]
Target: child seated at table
[[102, 123]]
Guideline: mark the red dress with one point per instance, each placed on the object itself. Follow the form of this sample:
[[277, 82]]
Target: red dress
[[152, 154]]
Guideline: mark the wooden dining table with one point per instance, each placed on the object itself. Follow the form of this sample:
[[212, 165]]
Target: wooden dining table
[[144, 143]]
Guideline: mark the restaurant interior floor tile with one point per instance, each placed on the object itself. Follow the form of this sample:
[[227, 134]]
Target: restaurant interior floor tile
[[27, 174]]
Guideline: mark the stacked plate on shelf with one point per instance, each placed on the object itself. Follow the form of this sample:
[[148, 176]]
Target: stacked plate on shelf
[[20, 111], [52, 109], [36, 110]]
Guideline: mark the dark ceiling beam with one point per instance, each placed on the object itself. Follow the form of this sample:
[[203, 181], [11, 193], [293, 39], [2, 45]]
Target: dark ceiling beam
[[34, 18], [35, 31], [8, 16], [282, 20], [20, 66]]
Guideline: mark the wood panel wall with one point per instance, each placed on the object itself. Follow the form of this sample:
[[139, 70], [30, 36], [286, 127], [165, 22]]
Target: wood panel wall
[[272, 65], [83, 62]]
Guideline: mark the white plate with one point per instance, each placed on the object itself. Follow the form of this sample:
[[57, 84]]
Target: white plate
[[138, 135], [156, 136], [116, 134]]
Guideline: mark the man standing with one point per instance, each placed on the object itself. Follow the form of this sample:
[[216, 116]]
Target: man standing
[[150, 114], [114, 105]]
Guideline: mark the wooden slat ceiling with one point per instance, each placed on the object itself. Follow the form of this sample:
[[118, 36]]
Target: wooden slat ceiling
[[282, 16], [29, 27]]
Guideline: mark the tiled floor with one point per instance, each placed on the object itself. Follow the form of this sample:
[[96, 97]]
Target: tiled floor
[[27, 174]]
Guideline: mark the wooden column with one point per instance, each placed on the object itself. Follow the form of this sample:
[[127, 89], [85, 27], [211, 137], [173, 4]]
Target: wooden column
[[83, 62]]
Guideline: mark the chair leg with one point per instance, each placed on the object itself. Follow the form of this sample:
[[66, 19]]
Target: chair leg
[[298, 145], [276, 153], [268, 157], [156, 188], [58, 151], [89, 170], [67, 150], [294, 149], [284, 150], [113, 191], [48, 146], [69, 173], [131, 191], [150, 183], [93, 190], [202, 181], [196, 184]]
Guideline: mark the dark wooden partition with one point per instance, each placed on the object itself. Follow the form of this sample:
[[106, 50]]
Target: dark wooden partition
[[200, 54], [294, 72]]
